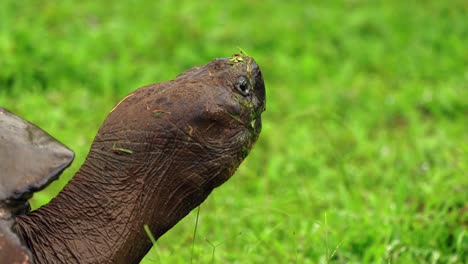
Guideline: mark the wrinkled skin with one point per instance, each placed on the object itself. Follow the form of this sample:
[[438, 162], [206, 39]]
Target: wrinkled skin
[[159, 154]]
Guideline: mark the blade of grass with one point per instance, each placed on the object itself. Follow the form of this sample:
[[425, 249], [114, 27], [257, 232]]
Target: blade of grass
[[194, 234]]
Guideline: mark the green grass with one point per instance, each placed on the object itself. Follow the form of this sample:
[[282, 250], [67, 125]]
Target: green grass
[[363, 156]]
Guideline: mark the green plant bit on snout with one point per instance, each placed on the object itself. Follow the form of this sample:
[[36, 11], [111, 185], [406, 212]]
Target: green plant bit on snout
[[157, 113], [236, 117], [124, 150], [236, 59], [242, 51]]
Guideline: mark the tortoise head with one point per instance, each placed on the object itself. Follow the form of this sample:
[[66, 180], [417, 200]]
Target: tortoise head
[[209, 115]]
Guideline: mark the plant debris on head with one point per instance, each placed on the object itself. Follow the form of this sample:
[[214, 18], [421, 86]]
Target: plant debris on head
[[240, 59]]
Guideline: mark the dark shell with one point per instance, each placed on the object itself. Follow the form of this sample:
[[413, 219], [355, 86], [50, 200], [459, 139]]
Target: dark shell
[[29, 158]]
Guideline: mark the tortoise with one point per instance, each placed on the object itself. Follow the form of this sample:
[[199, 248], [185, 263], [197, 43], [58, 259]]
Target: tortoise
[[159, 153]]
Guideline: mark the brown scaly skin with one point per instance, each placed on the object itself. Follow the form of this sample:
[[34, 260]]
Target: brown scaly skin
[[159, 154]]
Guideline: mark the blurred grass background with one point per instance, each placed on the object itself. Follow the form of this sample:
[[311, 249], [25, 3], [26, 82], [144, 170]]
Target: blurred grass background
[[363, 156]]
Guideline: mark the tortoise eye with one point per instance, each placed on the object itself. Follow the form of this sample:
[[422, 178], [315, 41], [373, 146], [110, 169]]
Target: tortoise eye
[[243, 85]]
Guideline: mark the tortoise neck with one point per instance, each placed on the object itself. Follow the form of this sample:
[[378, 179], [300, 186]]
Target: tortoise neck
[[99, 216], [94, 219]]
